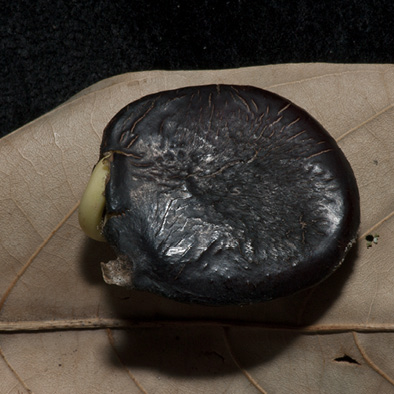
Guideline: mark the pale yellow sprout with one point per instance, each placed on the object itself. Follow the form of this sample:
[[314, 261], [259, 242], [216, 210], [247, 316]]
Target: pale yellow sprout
[[92, 203]]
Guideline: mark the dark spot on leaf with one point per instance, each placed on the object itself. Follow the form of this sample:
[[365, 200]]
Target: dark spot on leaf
[[346, 359]]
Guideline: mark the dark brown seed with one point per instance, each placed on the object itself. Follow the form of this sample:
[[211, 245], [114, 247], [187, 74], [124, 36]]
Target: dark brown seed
[[225, 195]]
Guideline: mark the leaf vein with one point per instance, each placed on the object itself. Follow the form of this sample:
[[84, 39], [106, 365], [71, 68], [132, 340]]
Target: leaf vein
[[34, 255], [132, 377], [325, 75], [124, 324], [375, 226], [370, 362], [363, 123], [20, 380], [248, 376]]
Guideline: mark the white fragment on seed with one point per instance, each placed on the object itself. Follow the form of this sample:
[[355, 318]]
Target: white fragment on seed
[[117, 272]]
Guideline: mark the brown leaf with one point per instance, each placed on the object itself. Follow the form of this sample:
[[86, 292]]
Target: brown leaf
[[63, 330]]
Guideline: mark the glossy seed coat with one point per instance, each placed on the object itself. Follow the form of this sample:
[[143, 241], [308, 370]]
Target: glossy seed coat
[[225, 194]]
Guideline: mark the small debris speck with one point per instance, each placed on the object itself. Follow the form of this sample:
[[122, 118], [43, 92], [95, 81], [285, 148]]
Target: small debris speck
[[372, 239]]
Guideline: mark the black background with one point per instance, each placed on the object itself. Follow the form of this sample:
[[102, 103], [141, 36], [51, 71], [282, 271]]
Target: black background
[[50, 50]]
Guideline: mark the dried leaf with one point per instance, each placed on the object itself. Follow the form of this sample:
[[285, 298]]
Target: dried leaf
[[63, 330]]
